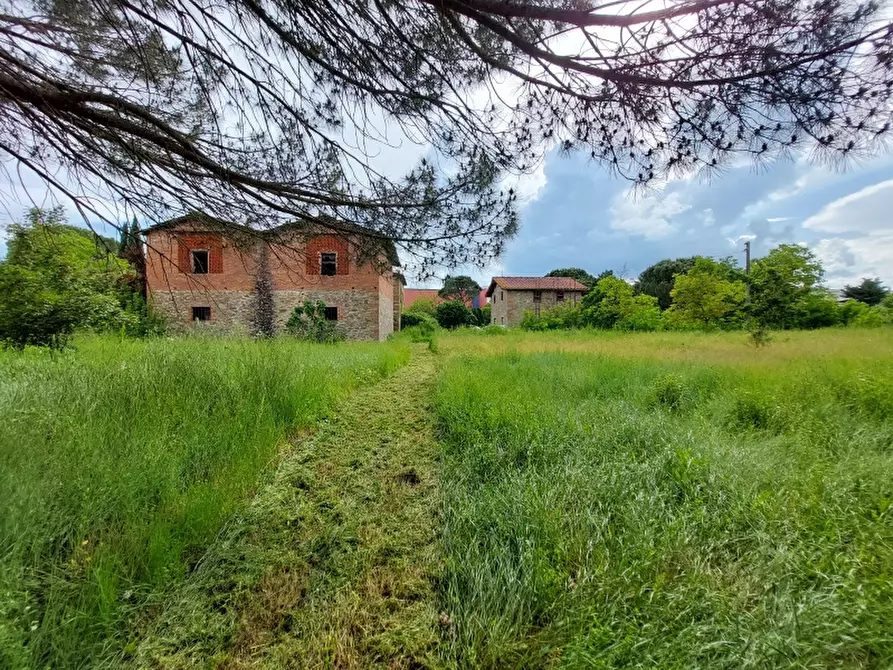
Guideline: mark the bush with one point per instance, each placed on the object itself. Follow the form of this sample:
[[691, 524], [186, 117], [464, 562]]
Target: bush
[[32, 313], [308, 322], [410, 319], [453, 314]]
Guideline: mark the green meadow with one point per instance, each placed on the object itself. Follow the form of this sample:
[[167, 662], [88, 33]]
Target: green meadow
[[505, 500], [120, 462], [668, 500]]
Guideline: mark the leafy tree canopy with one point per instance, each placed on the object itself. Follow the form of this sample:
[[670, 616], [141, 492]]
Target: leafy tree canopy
[[658, 279], [575, 273], [870, 291], [459, 287], [781, 284], [705, 296], [57, 278], [262, 112], [612, 304], [454, 314]]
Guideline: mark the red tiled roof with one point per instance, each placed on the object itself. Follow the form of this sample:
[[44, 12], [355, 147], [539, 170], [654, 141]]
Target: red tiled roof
[[410, 295], [535, 284]]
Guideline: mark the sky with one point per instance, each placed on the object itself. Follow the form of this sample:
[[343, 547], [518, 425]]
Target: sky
[[575, 215]]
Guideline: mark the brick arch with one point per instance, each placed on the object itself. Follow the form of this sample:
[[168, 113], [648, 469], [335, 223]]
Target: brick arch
[[327, 243]]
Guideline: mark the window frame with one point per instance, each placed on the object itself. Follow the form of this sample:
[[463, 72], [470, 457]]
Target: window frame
[[323, 263], [193, 265], [328, 313], [559, 296], [195, 312], [537, 296]]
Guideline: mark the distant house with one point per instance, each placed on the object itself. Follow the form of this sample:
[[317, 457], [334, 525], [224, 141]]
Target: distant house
[[410, 295], [199, 269], [510, 297]]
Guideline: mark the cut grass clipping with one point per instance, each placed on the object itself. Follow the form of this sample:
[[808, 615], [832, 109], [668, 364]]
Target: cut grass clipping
[[601, 512], [120, 461]]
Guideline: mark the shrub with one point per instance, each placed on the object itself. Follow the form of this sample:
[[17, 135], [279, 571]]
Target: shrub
[[423, 306], [308, 322], [453, 314], [669, 391], [410, 319], [873, 317], [32, 313]]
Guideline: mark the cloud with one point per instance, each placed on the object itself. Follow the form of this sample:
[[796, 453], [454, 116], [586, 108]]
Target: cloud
[[650, 217], [779, 219], [865, 211]]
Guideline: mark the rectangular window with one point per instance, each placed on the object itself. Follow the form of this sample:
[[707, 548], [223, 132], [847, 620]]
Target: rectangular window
[[199, 261], [559, 296], [331, 313], [502, 295], [537, 296], [201, 313], [328, 263]]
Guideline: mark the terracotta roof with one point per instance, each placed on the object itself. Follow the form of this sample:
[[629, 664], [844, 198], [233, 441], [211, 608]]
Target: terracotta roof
[[410, 295], [535, 284]]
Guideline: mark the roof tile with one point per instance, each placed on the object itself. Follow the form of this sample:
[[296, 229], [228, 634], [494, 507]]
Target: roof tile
[[536, 284]]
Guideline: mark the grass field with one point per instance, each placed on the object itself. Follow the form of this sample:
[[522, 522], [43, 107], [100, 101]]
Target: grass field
[[120, 462], [668, 500], [507, 499]]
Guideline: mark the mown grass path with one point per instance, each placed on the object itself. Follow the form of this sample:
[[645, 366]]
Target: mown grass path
[[334, 563]]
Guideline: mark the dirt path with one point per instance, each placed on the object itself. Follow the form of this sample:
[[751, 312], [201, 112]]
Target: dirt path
[[334, 562]]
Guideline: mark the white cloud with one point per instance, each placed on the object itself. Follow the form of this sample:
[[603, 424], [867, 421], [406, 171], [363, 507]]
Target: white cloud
[[650, 217], [708, 218], [864, 211], [779, 219], [846, 261]]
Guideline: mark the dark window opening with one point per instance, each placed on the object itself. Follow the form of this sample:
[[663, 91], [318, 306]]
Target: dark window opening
[[331, 313], [537, 296], [328, 264], [199, 261], [502, 295], [559, 296], [201, 313]]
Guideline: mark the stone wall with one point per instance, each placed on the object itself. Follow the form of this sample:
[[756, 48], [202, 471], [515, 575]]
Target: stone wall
[[231, 311], [357, 310], [508, 307]]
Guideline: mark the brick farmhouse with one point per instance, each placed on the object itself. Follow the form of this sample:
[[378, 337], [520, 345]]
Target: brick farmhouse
[[510, 297], [201, 270]]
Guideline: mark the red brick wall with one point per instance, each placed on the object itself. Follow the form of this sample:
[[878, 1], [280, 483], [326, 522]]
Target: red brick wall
[[233, 266], [210, 242], [325, 244]]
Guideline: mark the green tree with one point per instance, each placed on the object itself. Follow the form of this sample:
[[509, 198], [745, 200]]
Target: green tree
[[454, 314], [33, 312], [781, 284], [819, 310], [658, 279], [870, 291], [459, 287], [704, 297], [575, 273], [612, 304], [58, 278]]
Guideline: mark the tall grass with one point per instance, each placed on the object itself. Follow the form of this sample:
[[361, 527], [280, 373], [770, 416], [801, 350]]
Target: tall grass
[[120, 461], [601, 511]]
